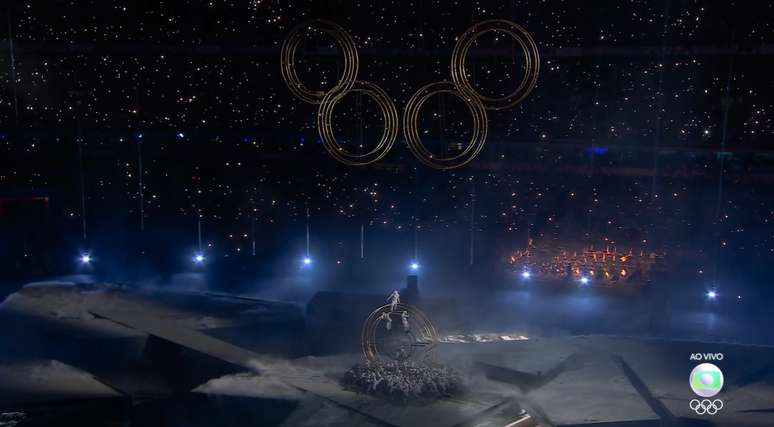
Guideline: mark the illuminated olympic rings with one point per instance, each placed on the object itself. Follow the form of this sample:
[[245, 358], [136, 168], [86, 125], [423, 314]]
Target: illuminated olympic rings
[[531, 62], [476, 102], [424, 337], [287, 60], [460, 87], [389, 112], [411, 126], [346, 84]]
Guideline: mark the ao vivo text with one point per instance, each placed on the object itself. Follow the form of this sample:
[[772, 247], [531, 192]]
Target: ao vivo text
[[706, 356]]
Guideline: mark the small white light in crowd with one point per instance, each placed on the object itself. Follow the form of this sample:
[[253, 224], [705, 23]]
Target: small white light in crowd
[[198, 258], [85, 259], [712, 294], [414, 266], [584, 280], [526, 274]]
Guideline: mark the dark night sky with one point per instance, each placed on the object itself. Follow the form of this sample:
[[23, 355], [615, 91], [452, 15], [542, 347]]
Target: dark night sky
[[199, 84]]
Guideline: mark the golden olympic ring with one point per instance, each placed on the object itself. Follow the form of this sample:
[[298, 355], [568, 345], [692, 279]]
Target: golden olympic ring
[[287, 60], [461, 87], [411, 126], [389, 112], [426, 333], [531, 58]]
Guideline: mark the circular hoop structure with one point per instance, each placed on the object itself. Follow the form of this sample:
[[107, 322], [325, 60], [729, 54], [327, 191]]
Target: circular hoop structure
[[531, 58], [411, 126], [325, 127], [422, 333], [287, 60]]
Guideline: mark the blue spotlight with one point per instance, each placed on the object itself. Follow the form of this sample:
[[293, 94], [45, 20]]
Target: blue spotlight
[[414, 266], [85, 258], [198, 258], [584, 280], [306, 260], [712, 294], [526, 274]]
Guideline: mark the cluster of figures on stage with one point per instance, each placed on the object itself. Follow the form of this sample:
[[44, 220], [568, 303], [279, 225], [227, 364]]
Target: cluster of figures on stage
[[398, 365], [12, 419], [394, 300], [403, 381]]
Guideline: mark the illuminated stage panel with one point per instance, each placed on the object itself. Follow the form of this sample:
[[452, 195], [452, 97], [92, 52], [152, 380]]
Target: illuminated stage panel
[[556, 376], [46, 381], [526, 364], [566, 401], [185, 337]]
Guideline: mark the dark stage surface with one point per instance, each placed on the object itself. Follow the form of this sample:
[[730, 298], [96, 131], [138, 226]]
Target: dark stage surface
[[101, 354]]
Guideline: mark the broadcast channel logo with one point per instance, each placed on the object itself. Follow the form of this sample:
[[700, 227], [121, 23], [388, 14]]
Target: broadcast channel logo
[[706, 380]]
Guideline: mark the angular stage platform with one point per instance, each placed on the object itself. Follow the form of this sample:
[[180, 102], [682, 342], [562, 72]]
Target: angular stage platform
[[150, 354]]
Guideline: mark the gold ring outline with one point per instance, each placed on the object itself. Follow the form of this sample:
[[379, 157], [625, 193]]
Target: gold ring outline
[[531, 59], [389, 135], [288, 66], [411, 126]]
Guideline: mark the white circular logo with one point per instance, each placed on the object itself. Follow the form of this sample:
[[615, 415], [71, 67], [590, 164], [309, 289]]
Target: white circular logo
[[706, 406], [706, 380]]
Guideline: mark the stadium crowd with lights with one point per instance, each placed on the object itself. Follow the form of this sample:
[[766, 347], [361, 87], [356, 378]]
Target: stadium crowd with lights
[[162, 154]]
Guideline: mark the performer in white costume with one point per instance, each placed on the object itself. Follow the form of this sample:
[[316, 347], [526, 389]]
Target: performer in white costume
[[387, 320], [404, 319], [394, 300]]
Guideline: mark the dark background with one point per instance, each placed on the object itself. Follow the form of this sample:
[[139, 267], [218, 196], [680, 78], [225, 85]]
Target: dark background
[[650, 128]]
